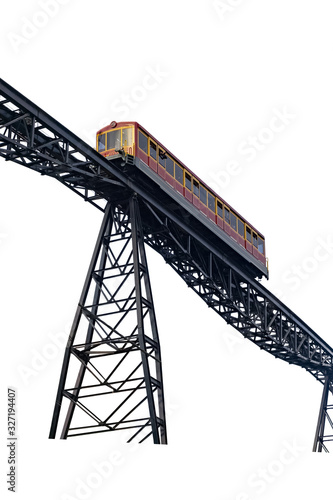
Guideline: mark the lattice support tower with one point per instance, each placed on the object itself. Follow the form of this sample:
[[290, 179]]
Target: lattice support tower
[[113, 347]]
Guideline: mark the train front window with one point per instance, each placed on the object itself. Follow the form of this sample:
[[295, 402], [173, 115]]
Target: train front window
[[261, 245], [127, 139], [143, 142], [188, 182], [153, 150], [101, 142], [113, 139], [196, 188], [179, 174], [233, 221], [211, 202], [219, 209]]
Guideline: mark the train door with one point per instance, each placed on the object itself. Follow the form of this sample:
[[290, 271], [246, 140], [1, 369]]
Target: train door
[[127, 140]]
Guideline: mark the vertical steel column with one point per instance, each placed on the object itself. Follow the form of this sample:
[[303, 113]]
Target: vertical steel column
[[320, 430], [140, 266]]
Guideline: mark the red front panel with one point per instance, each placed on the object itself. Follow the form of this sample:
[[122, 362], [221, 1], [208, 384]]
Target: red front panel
[[111, 152], [220, 222]]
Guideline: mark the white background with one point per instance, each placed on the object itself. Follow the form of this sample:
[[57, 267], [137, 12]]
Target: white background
[[223, 72]]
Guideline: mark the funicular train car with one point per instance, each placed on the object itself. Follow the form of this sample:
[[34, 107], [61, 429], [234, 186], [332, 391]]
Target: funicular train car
[[131, 141]]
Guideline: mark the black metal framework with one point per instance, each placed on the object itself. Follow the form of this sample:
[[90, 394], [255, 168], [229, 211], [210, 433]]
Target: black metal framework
[[35, 140], [119, 382]]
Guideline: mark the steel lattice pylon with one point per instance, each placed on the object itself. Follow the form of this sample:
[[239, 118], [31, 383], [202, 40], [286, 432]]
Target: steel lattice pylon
[[119, 374]]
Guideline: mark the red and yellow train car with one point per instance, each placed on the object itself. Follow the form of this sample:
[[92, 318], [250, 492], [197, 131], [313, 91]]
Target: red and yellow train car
[[130, 140]]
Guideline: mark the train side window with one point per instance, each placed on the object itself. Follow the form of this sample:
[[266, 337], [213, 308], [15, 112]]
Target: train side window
[[248, 234], [203, 195], [241, 228], [233, 221], [161, 157], [211, 202], [143, 142], [255, 240], [101, 142], [113, 139], [220, 209], [196, 188], [227, 215], [170, 168], [152, 149], [261, 245], [179, 174], [188, 181]]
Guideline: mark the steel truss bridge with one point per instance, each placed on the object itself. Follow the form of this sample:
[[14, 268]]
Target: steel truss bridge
[[111, 377]]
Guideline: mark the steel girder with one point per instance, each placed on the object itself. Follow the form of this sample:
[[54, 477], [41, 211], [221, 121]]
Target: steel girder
[[114, 340], [31, 137]]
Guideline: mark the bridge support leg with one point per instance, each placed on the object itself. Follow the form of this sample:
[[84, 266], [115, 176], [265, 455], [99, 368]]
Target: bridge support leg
[[323, 418], [117, 381]]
